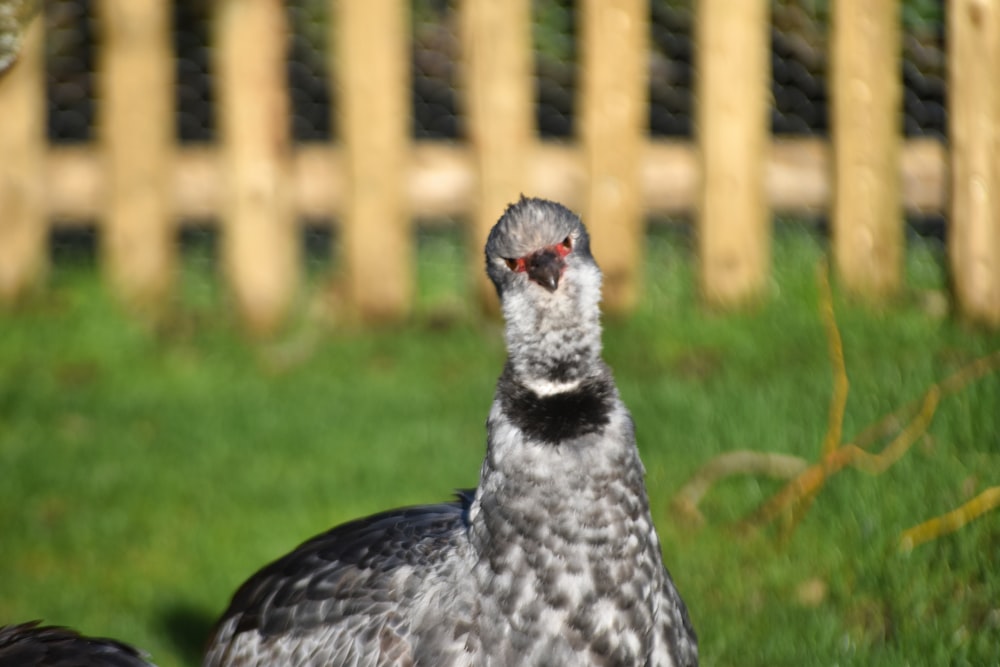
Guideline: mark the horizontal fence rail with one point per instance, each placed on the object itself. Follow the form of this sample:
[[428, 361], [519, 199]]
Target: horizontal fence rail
[[440, 179], [138, 184]]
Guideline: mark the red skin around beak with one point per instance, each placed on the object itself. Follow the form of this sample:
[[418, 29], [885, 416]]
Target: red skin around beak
[[544, 267]]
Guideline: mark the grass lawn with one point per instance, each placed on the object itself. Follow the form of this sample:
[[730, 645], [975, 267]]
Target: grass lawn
[[145, 474]]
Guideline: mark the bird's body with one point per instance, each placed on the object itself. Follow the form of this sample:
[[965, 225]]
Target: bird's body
[[553, 560], [34, 645]]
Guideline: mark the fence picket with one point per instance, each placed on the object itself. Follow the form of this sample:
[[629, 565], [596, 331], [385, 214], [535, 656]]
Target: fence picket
[[259, 235], [371, 64], [22, 193], [496, 44], [613, 123], [974, 128], [732, 47], [866, 90], [136, 109]]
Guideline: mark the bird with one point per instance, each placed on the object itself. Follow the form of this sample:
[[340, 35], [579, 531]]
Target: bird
[[32, 644], [552, 560]]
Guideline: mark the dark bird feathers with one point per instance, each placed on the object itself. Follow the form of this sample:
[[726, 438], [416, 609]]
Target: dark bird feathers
[[34, 645], [294, 592]]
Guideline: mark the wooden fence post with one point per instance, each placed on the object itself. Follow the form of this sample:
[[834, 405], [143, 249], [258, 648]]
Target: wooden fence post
[[974, 129], [371, 63], [613, 121], [496, 43], [137, 137], [260, 237], [732, 47], [23, 231], [866, 89]]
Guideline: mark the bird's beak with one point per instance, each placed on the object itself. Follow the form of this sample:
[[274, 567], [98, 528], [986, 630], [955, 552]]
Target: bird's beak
[[545, 267]]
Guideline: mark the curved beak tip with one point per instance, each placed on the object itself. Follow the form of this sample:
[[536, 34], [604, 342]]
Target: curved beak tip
[[545, 268]]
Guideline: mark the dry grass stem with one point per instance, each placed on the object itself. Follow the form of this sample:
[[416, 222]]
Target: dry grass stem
[[909, 422], [948, 523]]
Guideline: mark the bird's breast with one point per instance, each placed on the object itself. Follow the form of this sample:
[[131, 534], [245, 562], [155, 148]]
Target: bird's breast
[[572, 573]]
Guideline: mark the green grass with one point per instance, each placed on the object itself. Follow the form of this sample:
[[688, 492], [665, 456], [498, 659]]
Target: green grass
[[145, 473]]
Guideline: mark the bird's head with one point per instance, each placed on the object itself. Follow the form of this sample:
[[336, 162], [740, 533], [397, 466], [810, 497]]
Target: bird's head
[[533, 246], [538, 257]]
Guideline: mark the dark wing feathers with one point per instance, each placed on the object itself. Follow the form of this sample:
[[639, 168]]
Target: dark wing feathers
[[349, 564], [32, 644]]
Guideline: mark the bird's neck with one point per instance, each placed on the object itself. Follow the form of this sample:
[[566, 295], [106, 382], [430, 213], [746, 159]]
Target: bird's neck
[[565, 459], [554, 356], [561, 519]]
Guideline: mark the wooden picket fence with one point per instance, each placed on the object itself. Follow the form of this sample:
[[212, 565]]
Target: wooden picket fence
[[138, 182]]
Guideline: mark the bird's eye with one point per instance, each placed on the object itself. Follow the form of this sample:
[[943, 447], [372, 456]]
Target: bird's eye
[[565, 247], [511, 263]]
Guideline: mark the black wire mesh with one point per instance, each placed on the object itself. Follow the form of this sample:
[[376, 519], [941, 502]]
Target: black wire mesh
[[799, 66], [192, 45], [69, 45]]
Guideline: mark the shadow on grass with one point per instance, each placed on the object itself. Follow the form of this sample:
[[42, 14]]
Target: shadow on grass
[[187, 628]]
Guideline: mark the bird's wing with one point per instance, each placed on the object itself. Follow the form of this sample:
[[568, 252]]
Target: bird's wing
[[347, 597], [35, 645]]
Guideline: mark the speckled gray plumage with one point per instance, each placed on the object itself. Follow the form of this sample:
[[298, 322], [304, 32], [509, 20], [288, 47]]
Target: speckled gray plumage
[[553, 561], [35, 645]]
